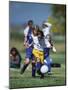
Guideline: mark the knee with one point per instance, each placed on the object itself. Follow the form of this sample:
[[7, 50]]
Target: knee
[[27, 61]]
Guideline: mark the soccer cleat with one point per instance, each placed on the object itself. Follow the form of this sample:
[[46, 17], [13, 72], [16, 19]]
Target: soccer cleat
[[57, 65], [38, 71], [42, 76], [33, 76], [49, 73]]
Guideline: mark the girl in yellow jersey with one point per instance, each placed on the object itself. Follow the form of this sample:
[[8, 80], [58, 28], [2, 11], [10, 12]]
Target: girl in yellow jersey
[[38, 49]]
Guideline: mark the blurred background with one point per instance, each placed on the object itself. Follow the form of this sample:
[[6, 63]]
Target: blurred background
[[21, 12]]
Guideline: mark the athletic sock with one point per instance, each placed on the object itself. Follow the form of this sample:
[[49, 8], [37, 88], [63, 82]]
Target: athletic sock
[[33, 69], [24, 68], [38, 66], [49, 66], [42, 76]]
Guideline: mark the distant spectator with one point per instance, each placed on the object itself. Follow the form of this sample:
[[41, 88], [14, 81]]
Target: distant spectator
[[15, 58]]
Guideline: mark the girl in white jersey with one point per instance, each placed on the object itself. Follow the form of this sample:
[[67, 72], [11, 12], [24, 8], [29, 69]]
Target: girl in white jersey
[[46, 30], [38, 50]]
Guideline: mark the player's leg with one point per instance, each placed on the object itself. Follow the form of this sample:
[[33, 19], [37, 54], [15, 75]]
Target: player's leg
[[42, 62], [26, 63], [46, 52], [47, 59], [38, 66], [27, 60], [39, 61], [48, 62], [33, 68], [36, 55]]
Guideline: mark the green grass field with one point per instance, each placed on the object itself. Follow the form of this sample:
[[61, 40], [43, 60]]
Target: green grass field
[[58, 74]]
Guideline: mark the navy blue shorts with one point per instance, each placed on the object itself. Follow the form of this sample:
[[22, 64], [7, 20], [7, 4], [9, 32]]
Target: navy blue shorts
[[29, 53]]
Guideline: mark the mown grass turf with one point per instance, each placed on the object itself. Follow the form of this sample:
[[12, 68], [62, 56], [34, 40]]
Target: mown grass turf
[[21, 81], [58, 74]]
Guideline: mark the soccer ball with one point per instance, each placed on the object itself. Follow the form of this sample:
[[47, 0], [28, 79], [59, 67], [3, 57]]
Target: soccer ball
[[44, 69]]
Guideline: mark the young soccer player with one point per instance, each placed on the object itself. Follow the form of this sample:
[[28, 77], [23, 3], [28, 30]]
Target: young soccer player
[[46, 30], [29, 47], [38, 49]]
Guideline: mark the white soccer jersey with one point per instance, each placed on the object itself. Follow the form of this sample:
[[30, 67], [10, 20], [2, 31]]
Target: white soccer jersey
[[26, 30], [46, 32], [36, 43]]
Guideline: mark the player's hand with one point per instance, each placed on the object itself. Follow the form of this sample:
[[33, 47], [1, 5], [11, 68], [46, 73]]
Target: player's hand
[[54, 49], [26, 45]]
